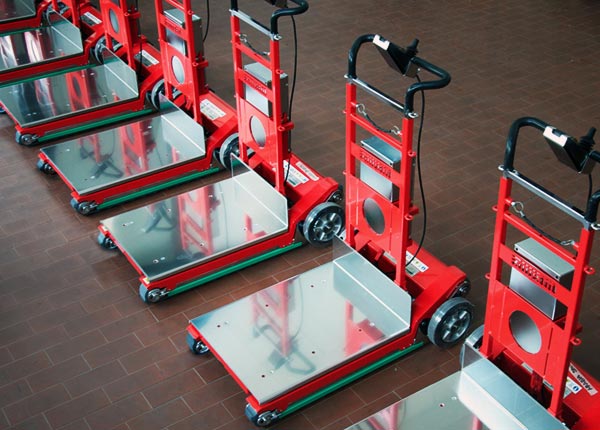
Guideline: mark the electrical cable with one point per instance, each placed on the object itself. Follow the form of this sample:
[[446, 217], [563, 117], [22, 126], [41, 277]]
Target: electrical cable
[[421, 188], [292, 90], [207, 20]]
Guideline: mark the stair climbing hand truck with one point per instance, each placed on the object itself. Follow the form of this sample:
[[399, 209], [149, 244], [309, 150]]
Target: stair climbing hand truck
[[516, 370], [178, 144], [66, 37], [65, 103], [305, 337], [195, 237]]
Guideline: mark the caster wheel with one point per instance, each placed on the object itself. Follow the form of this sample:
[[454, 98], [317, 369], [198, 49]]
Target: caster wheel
[[25, 139], [463, 289], [229, 146], [84, 208], [155, 95], [196, 346], [152, 296], [337, 196], [44, 167], [323, 222], [2, 111], [105, 242], [263, 419], [450, 322]]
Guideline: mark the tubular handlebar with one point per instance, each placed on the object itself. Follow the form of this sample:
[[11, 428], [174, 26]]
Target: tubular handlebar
[[302, 6], [419, 62], [591, 211]]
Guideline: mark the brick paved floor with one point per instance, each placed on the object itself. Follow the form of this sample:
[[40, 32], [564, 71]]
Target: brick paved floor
[[79, 350]]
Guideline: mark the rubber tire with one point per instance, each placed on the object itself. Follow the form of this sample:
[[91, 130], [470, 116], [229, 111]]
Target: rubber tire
[[196, 346], [474, 340], [229, 146], [44, 167], [442, 316], [105, 242], [146, 296], [315, 215], [25, 139]]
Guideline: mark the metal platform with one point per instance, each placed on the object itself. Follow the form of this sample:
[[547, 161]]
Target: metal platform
[[108, 158], [47, 99], [192, 228], [480, 397], [59, 39], [292, 332], [11, 10]]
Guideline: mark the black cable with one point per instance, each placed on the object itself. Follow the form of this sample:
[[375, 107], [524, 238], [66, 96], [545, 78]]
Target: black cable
[[292, 91], [207, 20], [590, 187], [421, 188]]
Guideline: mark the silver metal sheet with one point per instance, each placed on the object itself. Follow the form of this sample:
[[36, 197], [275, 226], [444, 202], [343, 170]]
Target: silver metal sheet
[[16, 9], [59, 39], [50, 98], [290, 333], [480, 397], [111, 157], [193, 228]]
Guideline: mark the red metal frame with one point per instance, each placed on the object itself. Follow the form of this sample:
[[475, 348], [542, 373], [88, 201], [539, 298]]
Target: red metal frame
[[552, 363], [90, 35], [148, 76], [302, 197], [430, 288]]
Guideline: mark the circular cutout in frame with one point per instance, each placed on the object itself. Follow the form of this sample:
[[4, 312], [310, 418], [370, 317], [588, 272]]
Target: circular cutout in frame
[[525, 332], [374, 215], [257, 129]]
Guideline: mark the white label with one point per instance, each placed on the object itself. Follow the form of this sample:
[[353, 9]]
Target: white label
[[210, 111], [300, 165], [582, 380], [149, 58], [572, 387], [92, 18], [293, 176], [415, 265]]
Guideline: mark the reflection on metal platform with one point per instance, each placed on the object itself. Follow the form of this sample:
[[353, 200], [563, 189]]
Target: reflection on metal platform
[[292, 332], [111, 157], [193, 228], [16, 9], [50, 98], [480, 397], [59, 39]]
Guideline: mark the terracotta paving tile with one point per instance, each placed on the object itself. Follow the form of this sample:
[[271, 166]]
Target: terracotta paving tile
[[112, 350], [210, 394], [39, 402], [38, 342], [21, 368], [58, 373], [77, 408], [172, 388], [95, 378], [127, 325], [208, 418], [13, 392], [161, 417], [117, 413], [91, 321], [76, 346], [37, 422], [148, 355], [133, 383]]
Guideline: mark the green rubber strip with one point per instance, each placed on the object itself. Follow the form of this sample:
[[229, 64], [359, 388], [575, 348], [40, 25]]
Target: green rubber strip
[[348, 379], [90, 125], [161, 186], [234, 268]]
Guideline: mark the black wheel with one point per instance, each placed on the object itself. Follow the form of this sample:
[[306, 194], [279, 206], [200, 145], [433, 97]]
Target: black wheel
[[44, 167], [2, 111], [463, 289], [154, 96], [337, 196], [450, 322], [25, 139], [263, 419], [196, 346], [105, 241], [229, 146], [323, 222], [154, 295], [84, 208]]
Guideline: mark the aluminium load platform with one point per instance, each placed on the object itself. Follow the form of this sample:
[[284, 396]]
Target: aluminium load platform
[[11, 10], [297, 330]]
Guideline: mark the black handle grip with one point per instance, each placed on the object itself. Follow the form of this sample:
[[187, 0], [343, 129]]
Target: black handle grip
[[301, 7], [419, 62], [513, 134]]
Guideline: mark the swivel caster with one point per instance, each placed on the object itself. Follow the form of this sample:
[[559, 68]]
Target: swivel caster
[[84, 208], [105, 241], [26, 139], [196, 346], [152, 296], [263, 419], [44, 167], [228, 147]]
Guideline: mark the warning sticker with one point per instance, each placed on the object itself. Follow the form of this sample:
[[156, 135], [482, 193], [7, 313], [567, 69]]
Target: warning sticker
[[300, 165], [91, 19], [210, 111], [582, 380], [415, 265], [293, 176], [572, 387]]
